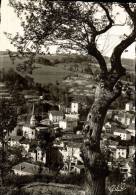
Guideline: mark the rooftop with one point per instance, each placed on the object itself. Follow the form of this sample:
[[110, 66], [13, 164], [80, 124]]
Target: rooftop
[[15, 138], [74, 145], [29, 168], [56, 113], [122, 131], [122, 147], [131, 126], [72, 136]]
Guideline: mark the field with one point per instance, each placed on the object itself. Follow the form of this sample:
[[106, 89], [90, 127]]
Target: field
[[42, 73], [67, 70], [46, 73]]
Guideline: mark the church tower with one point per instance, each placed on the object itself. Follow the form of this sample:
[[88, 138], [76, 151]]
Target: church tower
[[33, 121]]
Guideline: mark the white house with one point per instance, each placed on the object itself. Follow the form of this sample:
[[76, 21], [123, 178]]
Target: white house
[[55, 116], [38, 155], [120, 151], [14, 141], [113, 144], [131, 151], [123, 133], [68, 124], [74, 151], [74, 107], [129, 106], [64, 153], [45, 122], [59, 144], [26, 146], [29, 132], [126, 169], [72, 116], [128, 118]]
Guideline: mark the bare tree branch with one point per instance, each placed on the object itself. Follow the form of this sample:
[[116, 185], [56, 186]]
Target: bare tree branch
[[118, 50], [109, 18], [92, 50], [131, 13]]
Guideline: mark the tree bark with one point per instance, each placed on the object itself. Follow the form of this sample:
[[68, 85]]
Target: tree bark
[[97, 186], [95, 165]]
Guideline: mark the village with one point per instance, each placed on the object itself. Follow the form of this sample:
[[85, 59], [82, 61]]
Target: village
[[53, 142]]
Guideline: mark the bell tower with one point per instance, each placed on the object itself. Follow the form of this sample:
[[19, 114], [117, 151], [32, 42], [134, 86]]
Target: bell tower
[[33, 121]]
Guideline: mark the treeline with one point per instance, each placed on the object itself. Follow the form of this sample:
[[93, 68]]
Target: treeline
[[52, 60], [14, 80]]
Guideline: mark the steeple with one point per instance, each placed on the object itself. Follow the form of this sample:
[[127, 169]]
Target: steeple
[[33, 119]]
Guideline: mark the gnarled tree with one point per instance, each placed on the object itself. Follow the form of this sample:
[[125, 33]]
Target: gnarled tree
[[79, 24]]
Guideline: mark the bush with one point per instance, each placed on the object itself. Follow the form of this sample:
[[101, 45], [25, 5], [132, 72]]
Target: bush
[[44, 61], [16, 180], [19, 192]]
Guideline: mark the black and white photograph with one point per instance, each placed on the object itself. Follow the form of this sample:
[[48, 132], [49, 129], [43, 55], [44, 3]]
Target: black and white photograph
[[67, 97]]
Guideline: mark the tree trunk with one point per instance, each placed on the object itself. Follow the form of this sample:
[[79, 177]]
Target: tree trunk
[[95, 165], [97, 186]]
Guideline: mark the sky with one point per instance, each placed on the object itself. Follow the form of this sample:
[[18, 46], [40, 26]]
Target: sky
[[11, 24]]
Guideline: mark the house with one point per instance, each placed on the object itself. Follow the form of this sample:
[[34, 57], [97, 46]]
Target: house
[[26, 168], [59, 144], [129, 106], [42, 129], [68, 137], [131, 129], [127, 118], [45, 122], [125, 135], [67, 110], [37, 155], [107, 127], [112, 144], [64, 109], [25, 144], [121, 151], [78, 169], [64, 153], [68, 124], [126, 168], [74, 152], [55, 116], [74, 107], [71, 153], [29, 132], [131, 151], [72, 116], [14, 141]]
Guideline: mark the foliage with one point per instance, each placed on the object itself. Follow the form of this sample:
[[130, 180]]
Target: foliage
[[20, 192], [8, 120], [42, 60], [19, 181]]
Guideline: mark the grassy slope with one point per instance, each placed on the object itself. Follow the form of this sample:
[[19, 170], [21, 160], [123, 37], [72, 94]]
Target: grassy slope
[[50, 74], [42, 73]]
